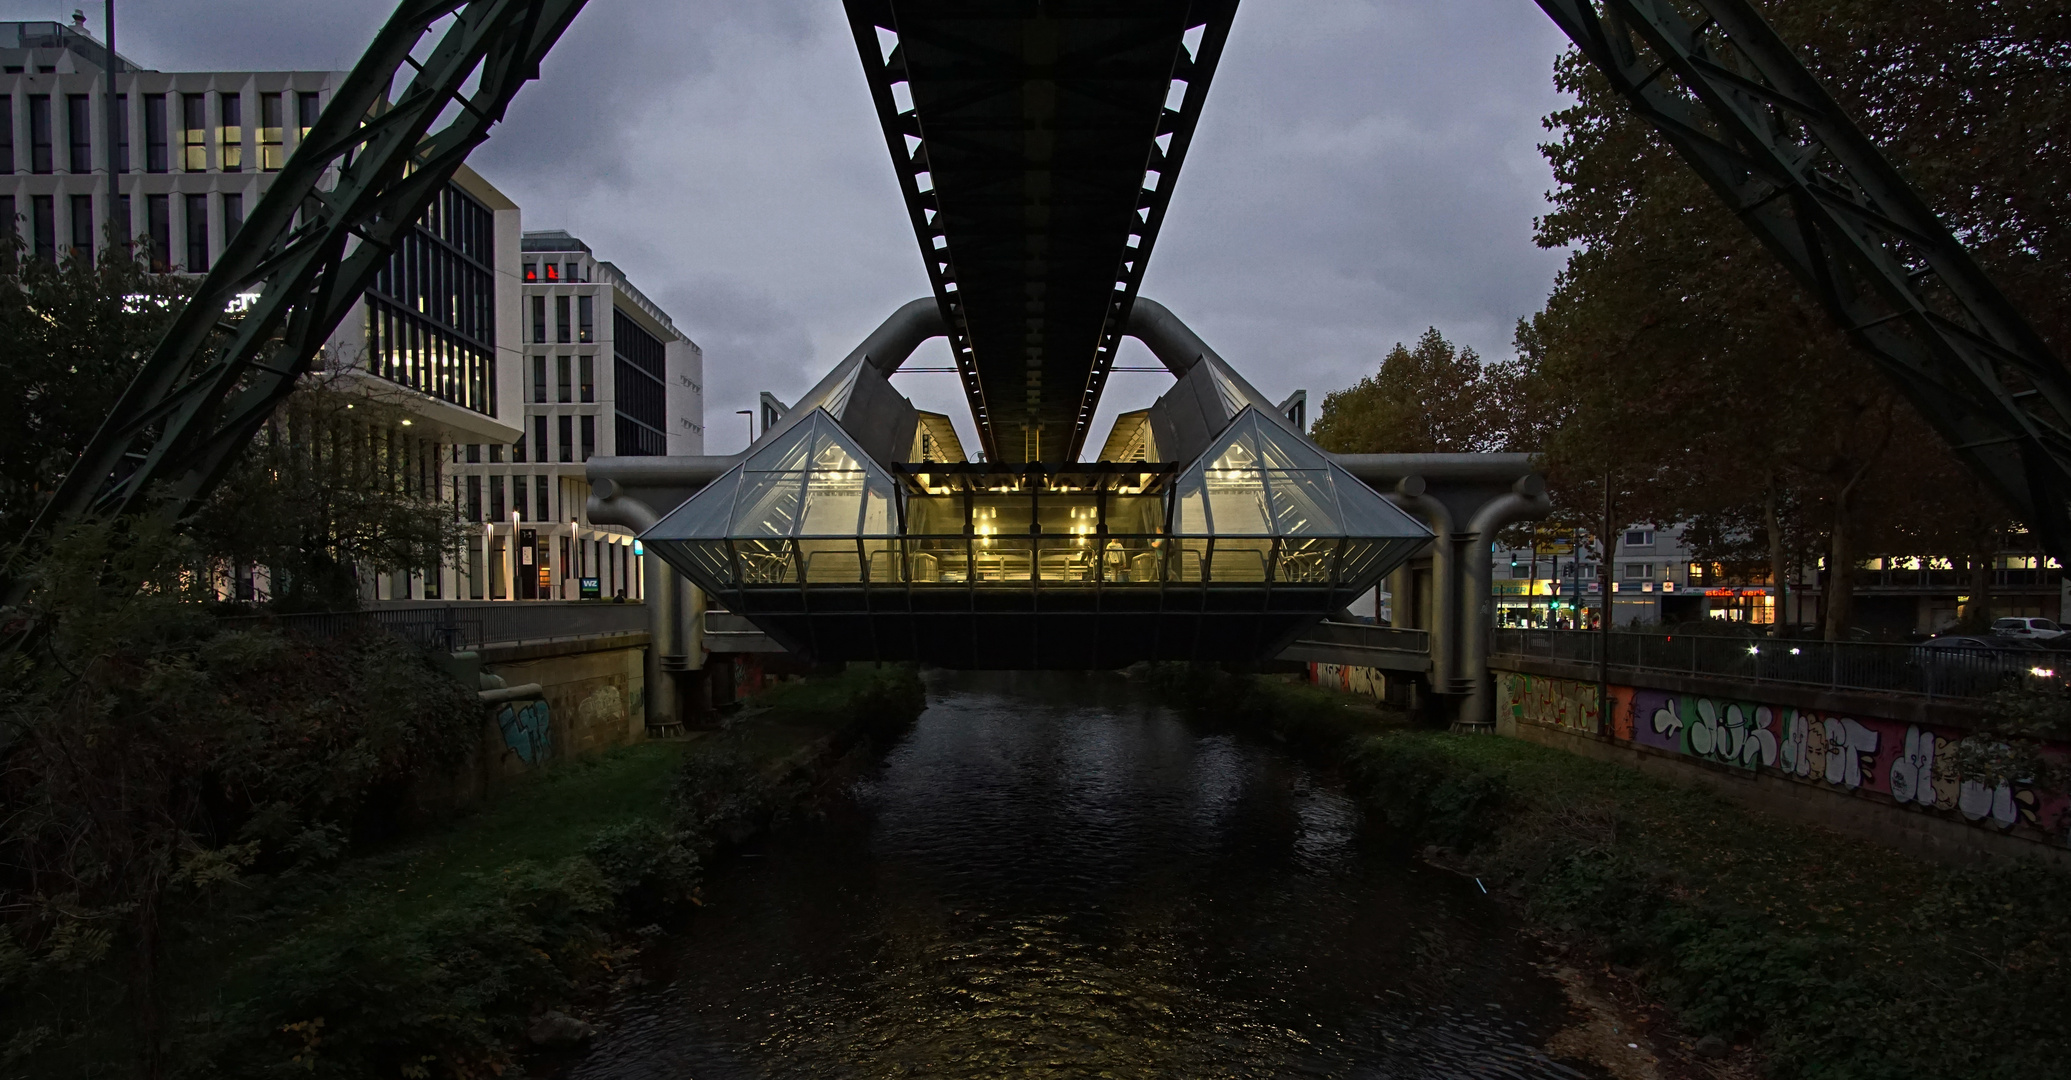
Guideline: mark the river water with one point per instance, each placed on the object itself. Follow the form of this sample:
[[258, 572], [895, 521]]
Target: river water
[[1055, 876]]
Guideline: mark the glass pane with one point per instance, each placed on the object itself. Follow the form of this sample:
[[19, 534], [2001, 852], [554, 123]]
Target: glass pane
[[1305, 560], [1188, 561], [833, 503], [879, 517], [1237, 502], [1003, 559], [766, 562], [769, 504], [1190, 509], [1279, 449], [831, 561], [1364, 513], [1303, 503], [934, 515], [1135, 515], [943, 561], [1240, 560], [706, 514]]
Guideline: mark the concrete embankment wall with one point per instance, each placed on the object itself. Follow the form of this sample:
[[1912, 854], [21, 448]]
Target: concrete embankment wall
[[1870, 765], [595, 699]]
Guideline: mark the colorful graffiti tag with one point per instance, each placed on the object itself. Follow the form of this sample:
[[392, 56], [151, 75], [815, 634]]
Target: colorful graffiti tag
[[1909, 763], [527, 730], [1365, 681]]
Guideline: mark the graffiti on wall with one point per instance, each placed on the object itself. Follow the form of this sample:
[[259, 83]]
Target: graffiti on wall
[[1364, 681], [1912, 764], [527, 730]]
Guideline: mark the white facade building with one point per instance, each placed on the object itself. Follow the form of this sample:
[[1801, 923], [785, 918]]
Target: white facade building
[[436, 337], [603, 371]]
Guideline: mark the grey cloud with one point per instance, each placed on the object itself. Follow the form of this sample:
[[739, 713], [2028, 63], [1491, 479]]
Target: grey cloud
[[1365, 168]]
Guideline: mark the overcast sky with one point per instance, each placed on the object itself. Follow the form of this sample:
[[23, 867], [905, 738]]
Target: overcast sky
[[1364, 169]]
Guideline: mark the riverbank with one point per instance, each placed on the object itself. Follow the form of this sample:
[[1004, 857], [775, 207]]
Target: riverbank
[[449, 952], [1781, 947]]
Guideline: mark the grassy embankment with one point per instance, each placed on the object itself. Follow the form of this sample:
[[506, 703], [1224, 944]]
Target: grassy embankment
[[1830, 957], [429, 958]]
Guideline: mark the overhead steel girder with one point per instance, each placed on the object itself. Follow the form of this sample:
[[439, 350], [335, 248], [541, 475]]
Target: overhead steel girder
[[1741, 109], [1036, 153], [308, 251]]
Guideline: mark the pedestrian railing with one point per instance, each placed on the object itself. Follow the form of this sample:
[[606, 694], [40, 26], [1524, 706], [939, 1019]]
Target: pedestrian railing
[[456, 627], [1922, 669]]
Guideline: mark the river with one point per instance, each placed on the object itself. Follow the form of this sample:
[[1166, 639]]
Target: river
[[1056, 876]]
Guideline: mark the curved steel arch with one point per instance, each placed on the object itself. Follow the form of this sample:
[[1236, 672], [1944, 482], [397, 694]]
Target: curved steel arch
[[1726, 92]]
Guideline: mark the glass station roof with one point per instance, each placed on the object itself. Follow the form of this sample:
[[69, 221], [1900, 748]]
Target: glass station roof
[[1260, 480], [812, 481]]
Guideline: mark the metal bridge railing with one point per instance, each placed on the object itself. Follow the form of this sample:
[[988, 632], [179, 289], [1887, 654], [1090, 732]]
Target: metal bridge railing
[[1925, 670], [1367, 636]]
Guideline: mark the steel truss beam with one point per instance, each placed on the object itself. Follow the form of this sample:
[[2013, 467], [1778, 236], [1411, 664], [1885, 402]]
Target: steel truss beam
[[1741, 109], [308, 250]]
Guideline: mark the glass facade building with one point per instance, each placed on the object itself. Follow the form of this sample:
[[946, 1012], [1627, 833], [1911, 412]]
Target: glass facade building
[[431, 313]]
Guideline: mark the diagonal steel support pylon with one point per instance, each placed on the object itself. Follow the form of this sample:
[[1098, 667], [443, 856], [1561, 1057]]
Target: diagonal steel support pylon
[[311, 246], [1745, 113]]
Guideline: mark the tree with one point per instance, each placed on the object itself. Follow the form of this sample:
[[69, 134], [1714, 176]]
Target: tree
[[1435, 398], [327, 493], [1680, 354]]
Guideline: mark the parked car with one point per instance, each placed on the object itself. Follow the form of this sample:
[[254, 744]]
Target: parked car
[[2031, 628]]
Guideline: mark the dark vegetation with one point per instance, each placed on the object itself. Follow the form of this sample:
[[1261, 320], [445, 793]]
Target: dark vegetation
[[387, 945], [1823, 956]]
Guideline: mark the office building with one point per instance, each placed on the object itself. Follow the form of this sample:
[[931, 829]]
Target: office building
[[603, 372]]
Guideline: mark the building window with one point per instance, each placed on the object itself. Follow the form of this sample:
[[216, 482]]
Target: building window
[[158, 220], [39, 133], [639, 390], [518, 500], [432, 307], [272, 154], [531, 273], [539, 439], [79, 133], [7, 138], [157, 144], [125, 226], [588, 379], [562, 381], [474, 498], [496, 453], [122, 133], [194, 133], [539, 379], [589, 436], [586, 320], [495, 498], [8, 226], [197, 234], [231, 136], [539, 320], [561, 326], [82, 226], [1639, 538], [567, 447], [233, 216], [307, 108], [518, 449], [474, 453], [553, 272], [542, 490], [44, 227]]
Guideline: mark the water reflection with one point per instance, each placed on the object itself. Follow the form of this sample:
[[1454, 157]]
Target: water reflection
[[1053, 877]]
